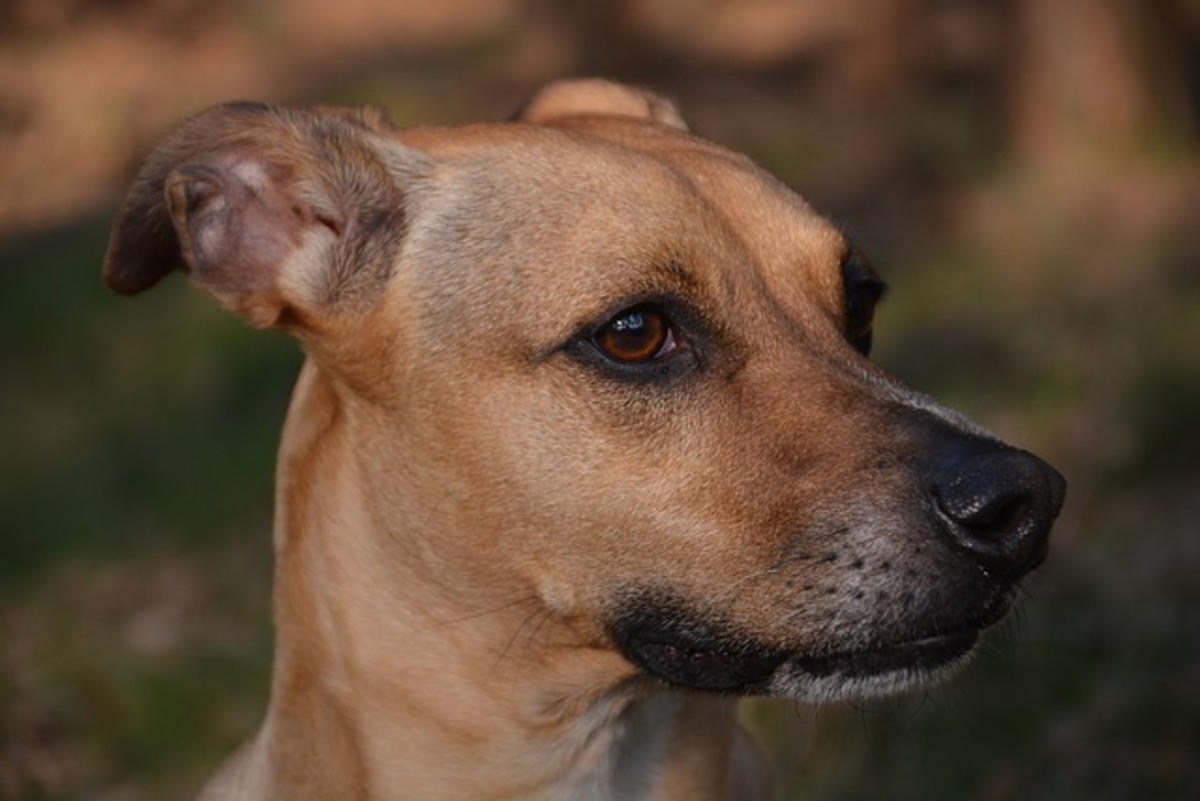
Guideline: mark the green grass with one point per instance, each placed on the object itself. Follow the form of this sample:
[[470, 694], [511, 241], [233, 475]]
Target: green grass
[[140, 438], [111, 404]]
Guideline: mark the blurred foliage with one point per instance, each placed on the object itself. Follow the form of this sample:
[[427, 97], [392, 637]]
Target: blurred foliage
[[1025, 172]]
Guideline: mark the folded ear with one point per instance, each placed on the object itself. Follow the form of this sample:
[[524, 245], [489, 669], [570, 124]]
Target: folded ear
[[587, 96], [278, 213]]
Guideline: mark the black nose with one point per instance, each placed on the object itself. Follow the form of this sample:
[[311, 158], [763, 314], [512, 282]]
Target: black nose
[[995, 501]]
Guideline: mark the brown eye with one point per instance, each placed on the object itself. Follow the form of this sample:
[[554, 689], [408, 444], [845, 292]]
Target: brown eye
[[638, 335]]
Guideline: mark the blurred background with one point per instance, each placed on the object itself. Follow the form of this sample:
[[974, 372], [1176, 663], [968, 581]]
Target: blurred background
[[1026, 173]]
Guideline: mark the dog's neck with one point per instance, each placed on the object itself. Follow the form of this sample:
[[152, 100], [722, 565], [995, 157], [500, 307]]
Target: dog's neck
[[503, 694]]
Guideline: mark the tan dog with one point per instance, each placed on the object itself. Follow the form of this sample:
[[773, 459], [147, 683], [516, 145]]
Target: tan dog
[[586, 446]]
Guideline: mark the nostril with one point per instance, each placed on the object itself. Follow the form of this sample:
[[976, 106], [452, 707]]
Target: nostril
[[997, 503], [988, 517], [990, 527]]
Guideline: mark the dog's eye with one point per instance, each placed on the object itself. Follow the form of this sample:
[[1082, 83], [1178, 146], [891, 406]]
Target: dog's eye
[[864, 290], [638, 335], [860, 316]]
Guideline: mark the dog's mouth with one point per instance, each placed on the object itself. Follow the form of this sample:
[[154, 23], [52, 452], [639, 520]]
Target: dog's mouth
[[689, 655], [694, 656], [921, 654]]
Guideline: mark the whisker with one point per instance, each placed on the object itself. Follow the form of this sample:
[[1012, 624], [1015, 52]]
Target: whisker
[[732, 590], [545, 618], [494, 610], [911, 718], [511, 640]]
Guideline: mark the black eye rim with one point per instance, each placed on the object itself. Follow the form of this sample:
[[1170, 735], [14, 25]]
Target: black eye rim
[[689, 335], [864, 290]]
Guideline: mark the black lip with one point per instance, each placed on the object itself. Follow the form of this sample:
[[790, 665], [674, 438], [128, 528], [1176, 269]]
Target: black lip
[[712, 669], [718, 667], [695, 657], [923, 653], [687, 653], [916, 652]]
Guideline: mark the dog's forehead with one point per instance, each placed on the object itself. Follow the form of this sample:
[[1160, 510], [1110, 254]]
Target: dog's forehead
[[600, 209]]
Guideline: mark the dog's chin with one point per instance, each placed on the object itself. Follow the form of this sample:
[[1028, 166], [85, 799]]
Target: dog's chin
[[700, 660], [874, 672]]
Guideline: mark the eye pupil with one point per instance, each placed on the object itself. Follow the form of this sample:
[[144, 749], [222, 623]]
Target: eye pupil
[[639, 335]]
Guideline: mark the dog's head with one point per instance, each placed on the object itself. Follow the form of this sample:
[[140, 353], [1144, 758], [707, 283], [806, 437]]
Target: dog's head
[[623, 371]]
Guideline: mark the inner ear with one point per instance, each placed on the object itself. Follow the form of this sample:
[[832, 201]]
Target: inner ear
[[280, 214], [591, 96], [239, 227]]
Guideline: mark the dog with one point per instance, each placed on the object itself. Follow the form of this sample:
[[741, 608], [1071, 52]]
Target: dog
[[587, 445]]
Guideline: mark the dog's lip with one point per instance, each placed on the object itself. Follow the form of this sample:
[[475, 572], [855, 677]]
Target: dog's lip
[[716, 669], [747, 669], [687, 652], [733, 666], [927, 652], [927, 649]]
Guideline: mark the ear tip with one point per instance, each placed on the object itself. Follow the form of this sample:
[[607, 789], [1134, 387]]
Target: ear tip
[[144, 245], [586, 96], [123, 278], [238, 107], [140, 252], [377, 118]]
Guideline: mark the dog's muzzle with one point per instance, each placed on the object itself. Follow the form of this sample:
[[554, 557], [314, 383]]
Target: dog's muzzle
[[983, 507]]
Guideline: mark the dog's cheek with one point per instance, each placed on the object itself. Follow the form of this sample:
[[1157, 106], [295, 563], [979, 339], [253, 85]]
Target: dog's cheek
[[590, 500]]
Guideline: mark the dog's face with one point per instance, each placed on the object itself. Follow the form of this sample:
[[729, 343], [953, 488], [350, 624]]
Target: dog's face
[[625, 372]]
